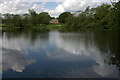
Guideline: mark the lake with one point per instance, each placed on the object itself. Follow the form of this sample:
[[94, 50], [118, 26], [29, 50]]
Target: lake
[[54, 54]]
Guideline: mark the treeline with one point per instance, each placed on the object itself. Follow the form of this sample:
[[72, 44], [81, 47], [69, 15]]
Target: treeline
[[105, 16], [26, 20]]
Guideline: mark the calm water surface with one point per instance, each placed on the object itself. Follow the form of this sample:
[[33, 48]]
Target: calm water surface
[[54, 54]]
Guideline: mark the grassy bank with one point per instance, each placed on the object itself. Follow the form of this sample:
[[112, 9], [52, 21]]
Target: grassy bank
[[54, 26], [60, 27], [38, 27]]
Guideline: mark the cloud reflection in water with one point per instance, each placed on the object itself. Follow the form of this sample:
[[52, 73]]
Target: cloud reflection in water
[[63, 47], [14, 60], [75, 43]]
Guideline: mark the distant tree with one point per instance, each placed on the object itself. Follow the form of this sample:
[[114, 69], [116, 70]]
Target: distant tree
[[26, 20], [33, 17], [17, 21], [0, 19], [7, 19], [101, 11], [63, 17], [52, 17], [43, 18], [32, 13], [116, 14], [105, 16]]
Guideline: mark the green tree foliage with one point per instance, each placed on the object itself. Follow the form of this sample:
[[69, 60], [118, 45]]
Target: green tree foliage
[[115, 15], [33, 16], [7, 18], [106, 16], [63, 17], [16, 20], [26, 20], [43, 18]]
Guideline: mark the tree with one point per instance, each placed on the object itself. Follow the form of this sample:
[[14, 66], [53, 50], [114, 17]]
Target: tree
[[32, 13], [63, 17], [7, 19], [33, 17], [26, 20], [100, 16], [101, 11], [116, 14], [43, 18], [17, 21], [105, 16]]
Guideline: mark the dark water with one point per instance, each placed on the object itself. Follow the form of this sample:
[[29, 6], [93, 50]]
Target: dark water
[[86, 54]]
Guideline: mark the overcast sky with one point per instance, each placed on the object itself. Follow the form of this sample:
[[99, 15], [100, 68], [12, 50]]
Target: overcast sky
[[53, 7]]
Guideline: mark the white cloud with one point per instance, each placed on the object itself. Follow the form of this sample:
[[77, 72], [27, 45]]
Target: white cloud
[[14, 6], [77, 5], [20, 7]]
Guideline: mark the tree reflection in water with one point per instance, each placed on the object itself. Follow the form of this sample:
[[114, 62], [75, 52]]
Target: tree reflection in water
[[93, 50]]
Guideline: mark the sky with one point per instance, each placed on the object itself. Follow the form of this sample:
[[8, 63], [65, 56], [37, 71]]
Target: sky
[[53, 7]]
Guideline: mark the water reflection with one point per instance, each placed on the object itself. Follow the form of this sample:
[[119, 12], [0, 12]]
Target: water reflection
[[84, 46], [0, 56], [0, 64], [56, 54], [110, 44], [13, 59]]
